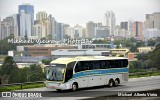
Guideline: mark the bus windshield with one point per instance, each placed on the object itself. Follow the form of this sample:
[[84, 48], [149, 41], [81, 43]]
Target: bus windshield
[[55, 72]]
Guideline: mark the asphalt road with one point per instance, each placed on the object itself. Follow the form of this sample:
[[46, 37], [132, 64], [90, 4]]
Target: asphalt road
[[137, 84]]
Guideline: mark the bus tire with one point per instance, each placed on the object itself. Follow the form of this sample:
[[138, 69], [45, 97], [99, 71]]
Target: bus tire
[[74, 86], [111, 83], [116, 82]]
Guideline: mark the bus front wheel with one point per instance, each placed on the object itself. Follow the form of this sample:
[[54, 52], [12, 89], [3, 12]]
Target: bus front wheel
[[74, 86], [59, 90]]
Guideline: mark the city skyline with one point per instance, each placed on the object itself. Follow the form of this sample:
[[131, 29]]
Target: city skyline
[[74, 12]]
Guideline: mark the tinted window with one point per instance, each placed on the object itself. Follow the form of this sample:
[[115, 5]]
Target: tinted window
[[118, 63], [83, 65], [101, 64], [125, 63], [88, 65], [96, 64], [78, 67], [108, 64]]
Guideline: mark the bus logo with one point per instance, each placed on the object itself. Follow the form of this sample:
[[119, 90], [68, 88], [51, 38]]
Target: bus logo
[[6, 94]]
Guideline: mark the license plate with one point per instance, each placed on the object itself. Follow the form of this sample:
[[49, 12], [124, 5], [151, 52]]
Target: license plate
[[53, 87]]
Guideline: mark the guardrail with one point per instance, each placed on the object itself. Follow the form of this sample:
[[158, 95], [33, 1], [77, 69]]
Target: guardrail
[[21, 84]]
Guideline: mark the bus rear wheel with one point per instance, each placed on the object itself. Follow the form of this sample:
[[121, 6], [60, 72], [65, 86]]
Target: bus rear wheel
[[116, 82], [74, 86], [111, 82]]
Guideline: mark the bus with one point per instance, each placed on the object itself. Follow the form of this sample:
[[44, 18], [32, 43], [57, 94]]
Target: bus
[[86, 71]]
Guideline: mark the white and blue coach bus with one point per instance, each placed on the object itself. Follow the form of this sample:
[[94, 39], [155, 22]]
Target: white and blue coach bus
[[86, 71]]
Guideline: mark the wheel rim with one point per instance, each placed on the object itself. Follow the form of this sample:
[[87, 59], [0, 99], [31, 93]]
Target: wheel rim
[[116, 82], [74, 87], [111, 83]]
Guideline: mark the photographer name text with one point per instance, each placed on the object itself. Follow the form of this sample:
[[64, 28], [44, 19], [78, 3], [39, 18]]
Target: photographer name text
[[40, 41]]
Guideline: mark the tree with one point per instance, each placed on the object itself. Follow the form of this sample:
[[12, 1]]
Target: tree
[[10, 69], [156, 57], [6, 46], [23, 72], [133, 48], [46, 62], [151, 43], [117, 46], [152, 58], [142, 57], [49, 36], [35, 73], [140, 43]]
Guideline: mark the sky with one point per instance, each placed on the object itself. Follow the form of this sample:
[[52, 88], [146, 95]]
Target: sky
[[74, 12]]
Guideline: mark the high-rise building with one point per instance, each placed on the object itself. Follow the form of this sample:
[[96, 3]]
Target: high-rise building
[[83, 32], [7, 28], [52, 27], [102, 32], [117, 31], [151, 33], [152, 21], [25, 24], [137, 28], [125, 29], [16, 25], [130, 21], [59, 31], [78, 31], [66, 31], [26, 12], [124, 25], [70, 32], [110, 21], [56, 29], [41, 15], [90, 29], [39, 30], [43, 25]]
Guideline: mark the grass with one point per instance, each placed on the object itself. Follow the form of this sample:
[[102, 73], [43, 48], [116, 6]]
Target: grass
[[18, 87]]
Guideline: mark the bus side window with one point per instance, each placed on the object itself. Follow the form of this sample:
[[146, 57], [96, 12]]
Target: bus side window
[[102, 64], [96, 64], [78, 67], [125, 63], [116, 64], [108, 64], [88, 65], [82, 65], [112, 64], [121, 63]]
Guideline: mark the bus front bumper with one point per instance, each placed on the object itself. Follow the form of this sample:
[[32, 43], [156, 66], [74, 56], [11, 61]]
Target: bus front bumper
[[57, 85]]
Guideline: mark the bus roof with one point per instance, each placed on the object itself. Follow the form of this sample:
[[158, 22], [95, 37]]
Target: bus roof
[[83, 58]]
